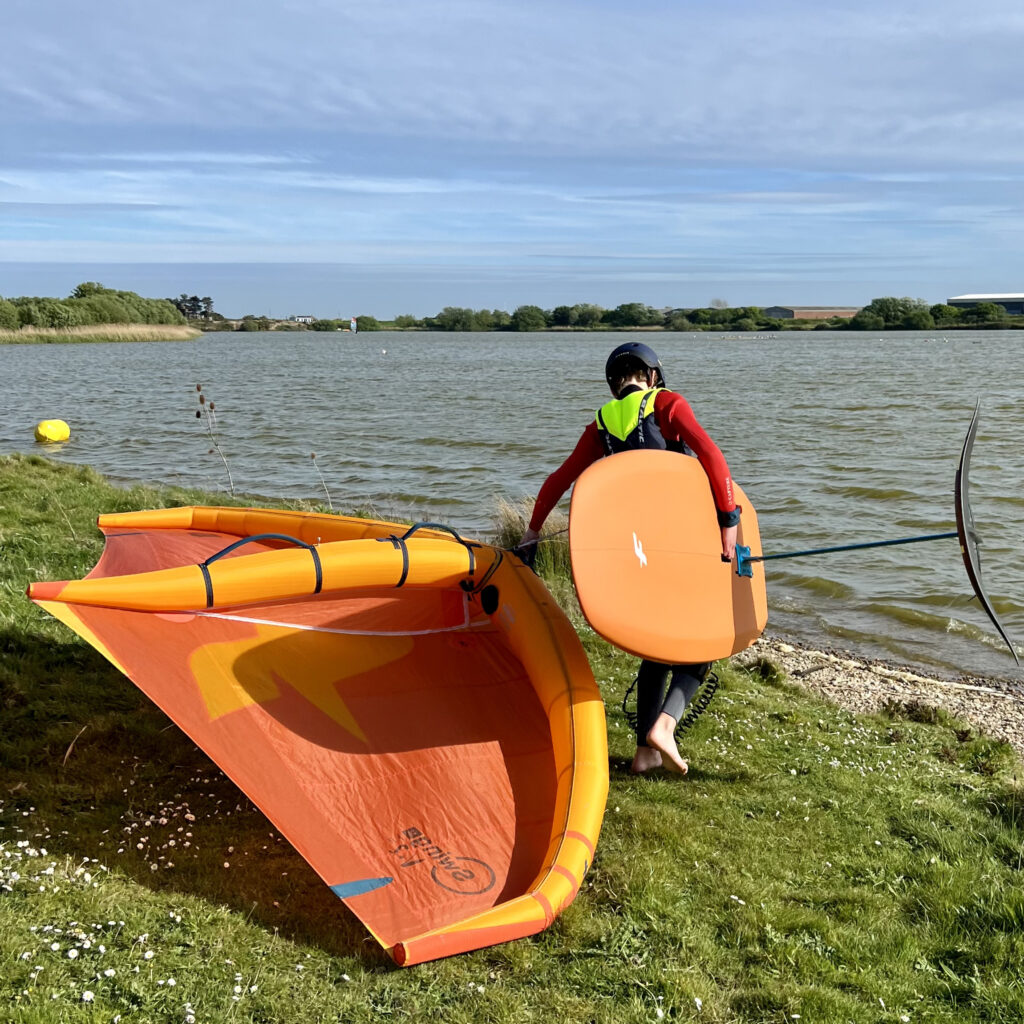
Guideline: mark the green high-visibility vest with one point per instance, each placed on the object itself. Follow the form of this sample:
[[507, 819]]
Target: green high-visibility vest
[[627, 422]]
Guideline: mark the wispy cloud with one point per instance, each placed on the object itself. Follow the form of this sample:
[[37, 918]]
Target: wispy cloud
[[71, 209], [721, 79], [223, 159], [460, 133]]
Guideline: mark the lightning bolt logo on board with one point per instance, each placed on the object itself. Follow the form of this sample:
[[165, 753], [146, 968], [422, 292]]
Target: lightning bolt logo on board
[[638, 550]]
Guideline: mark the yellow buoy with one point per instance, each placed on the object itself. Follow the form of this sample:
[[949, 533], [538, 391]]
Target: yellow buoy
[[52, 430]]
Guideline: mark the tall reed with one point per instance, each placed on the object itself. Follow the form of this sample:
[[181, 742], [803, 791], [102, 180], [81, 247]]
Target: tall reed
[[207, 412], [99, 333], [512, 519], [330, 504]]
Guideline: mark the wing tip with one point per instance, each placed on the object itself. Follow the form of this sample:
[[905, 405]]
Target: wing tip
[[46, 591]]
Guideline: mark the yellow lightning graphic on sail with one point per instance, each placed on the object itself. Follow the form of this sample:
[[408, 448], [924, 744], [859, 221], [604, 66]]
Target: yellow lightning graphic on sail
[[239, 673]]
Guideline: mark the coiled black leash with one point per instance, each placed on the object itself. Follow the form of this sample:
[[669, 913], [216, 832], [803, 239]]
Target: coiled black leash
[[700, 702], [702, 698]]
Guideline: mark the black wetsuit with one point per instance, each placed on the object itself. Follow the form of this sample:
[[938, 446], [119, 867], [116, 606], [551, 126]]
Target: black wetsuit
[[652, 698]]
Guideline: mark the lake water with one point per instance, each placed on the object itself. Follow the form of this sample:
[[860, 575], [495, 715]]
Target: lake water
[[835, 437]]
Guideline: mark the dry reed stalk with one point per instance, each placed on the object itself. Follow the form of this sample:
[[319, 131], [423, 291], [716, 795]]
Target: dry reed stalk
[[106, 332], [210, 422], [330, 504]]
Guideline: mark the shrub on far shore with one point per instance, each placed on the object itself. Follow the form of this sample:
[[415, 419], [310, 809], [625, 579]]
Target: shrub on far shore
[[8, 316], [89, 305]]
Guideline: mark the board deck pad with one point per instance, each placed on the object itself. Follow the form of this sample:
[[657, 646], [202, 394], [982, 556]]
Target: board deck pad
[[646, 552]]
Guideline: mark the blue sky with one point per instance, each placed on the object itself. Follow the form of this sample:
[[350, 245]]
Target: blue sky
[[398, 156]]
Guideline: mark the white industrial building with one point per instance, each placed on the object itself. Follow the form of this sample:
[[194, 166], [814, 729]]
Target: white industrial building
[[1011, 303]]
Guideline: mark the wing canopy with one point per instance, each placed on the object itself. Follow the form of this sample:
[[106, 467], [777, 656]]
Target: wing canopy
[[443, 767]]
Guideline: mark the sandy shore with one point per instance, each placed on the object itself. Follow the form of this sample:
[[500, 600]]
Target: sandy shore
[[994, 706]]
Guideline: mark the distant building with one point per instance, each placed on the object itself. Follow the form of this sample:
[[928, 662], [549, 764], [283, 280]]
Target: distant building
[[810, 312], [1011, 303], [303, 319]]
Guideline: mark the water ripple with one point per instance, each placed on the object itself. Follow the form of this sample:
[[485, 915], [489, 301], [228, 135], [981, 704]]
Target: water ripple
[[836, 438]]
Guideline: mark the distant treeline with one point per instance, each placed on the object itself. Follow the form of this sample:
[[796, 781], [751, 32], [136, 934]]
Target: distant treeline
[[88, 305], [890, 314], [92, 304], [887, 313]]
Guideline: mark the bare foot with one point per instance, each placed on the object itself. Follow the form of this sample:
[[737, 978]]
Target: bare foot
[[662, 739], [644, 760]]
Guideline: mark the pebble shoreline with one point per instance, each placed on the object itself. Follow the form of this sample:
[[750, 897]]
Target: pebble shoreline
[[994, 706]]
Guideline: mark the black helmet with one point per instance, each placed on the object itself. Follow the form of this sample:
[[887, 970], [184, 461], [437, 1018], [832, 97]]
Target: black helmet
[[638, 350]]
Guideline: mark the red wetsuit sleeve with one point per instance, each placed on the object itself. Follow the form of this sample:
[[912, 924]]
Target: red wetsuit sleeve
[[678, 423], [588, 450]]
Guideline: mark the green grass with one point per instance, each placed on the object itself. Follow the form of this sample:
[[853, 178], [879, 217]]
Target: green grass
[[815, 866]]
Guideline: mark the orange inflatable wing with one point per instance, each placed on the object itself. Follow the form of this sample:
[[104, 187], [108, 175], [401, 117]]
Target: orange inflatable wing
[[411, 710], [646, 556]]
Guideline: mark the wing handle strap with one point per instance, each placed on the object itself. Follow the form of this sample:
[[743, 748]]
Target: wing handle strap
[[468, 545], [204, 566]]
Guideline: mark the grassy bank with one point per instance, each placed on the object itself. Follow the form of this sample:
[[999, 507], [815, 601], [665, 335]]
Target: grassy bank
[[99, 332], [815, 866]]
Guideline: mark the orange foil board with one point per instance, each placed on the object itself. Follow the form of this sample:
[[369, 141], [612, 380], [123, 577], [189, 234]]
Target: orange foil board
[[646, 554]]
